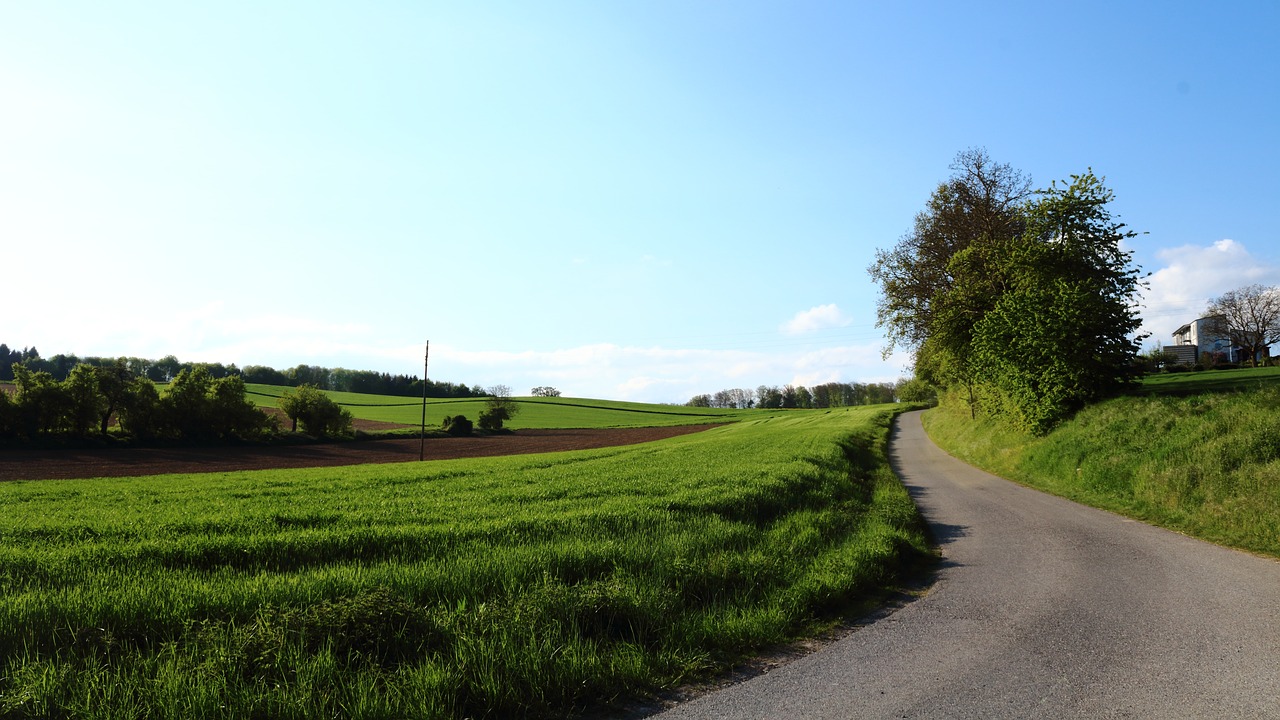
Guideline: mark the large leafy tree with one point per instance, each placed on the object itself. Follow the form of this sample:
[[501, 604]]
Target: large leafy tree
[[922, 307], [318, 413], [1029, 311], [1250, 317]]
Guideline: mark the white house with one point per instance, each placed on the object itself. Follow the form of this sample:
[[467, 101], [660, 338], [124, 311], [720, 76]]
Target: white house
[[1206, 335]]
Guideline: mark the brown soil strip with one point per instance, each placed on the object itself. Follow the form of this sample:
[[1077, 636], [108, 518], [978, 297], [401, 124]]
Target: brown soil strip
[[119, 462]]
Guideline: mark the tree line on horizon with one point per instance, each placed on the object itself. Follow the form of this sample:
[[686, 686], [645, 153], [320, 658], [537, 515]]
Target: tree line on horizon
[[772, 397], [169, 367]]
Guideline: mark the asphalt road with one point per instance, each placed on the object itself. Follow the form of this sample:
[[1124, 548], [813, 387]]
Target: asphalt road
[[1042, 609]]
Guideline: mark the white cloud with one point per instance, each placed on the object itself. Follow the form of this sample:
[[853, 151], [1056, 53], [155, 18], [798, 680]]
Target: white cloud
[[1191, 276], [815, 319]]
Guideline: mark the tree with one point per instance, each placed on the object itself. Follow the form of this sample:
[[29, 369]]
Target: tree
[[1062, 333], [8, 415], [1025, 306], [139, 412], [318, 414], [980, 202], [234, 415], [769, 397], [1250, 317], [7, 359], [915, 390], [43, 404], [545, 391], [166, 369], [491, 419], [85, 400], [198, 407], [113, 387], [498, 408], [1156, 359]]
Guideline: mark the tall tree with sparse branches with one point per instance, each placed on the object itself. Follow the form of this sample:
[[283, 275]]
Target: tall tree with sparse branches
[[1250, 317]]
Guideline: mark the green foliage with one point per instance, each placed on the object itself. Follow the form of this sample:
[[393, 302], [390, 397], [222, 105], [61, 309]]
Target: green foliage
[[8, 415], [1058, 337], [919, 299], [44, 406], [526, 586], [492, 418], [499, 408], [1025, 309], [1204, 463], [318, 414], [195, 406], [1155, 360], [457, 425], [198, 407], [139, 412], [916, 390]]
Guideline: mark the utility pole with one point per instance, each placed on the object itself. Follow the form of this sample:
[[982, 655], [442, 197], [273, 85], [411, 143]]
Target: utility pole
[[422, 443]]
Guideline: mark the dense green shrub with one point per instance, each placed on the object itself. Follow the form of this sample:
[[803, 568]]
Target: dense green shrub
[[916, 390], [457, 425]]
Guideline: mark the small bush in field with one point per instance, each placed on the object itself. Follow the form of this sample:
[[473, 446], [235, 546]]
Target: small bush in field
[[457, 425]]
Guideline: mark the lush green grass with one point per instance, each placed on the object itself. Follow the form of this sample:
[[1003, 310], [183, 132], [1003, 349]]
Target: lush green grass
[[534, 412], [521, 586], [1186, 383], [1207, 463]]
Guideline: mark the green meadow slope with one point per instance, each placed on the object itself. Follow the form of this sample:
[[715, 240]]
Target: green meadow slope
[[535, 412], [522, 586], [1194, 452]]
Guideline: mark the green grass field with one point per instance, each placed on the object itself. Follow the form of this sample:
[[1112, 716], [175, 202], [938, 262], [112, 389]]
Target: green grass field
[[1197, 452], [534, 412], [525, 586], [1185, 383]]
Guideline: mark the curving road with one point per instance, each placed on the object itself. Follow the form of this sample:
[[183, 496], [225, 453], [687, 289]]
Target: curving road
[[1042, 609]]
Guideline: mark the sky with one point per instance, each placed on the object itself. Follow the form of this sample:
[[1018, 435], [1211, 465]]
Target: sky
[[623, 200]]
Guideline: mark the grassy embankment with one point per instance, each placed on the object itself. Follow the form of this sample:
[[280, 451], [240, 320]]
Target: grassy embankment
[[534, 412], [531, 585], [1194, 452]]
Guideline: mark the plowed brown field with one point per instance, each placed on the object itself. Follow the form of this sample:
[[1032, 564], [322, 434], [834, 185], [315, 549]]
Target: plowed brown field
[[73, 463]]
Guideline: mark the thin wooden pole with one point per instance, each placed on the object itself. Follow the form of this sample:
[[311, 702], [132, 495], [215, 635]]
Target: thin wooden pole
[[422, 444]]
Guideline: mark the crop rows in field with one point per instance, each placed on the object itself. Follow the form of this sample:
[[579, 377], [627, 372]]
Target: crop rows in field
[[531, 585]]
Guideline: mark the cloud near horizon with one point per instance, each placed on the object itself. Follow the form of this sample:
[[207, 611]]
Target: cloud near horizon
[[815, 319], [1192, 276]]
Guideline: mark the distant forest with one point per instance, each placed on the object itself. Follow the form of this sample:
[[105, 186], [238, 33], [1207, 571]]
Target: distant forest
[[827, 395], [167, 368]]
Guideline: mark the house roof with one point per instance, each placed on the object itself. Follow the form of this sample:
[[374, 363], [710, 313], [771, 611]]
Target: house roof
[[1187, 328]]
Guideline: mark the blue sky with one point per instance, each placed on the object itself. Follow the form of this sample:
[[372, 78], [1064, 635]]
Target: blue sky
[[624, 200]]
